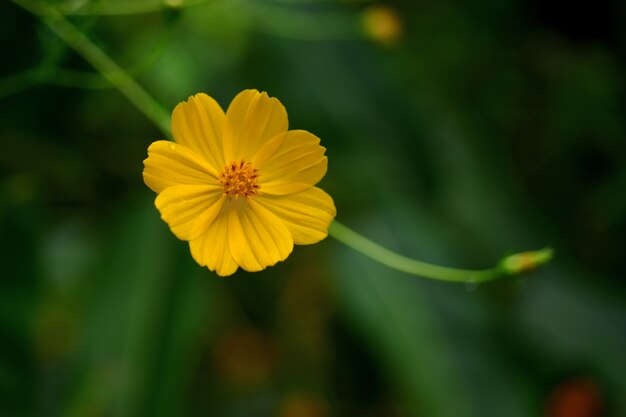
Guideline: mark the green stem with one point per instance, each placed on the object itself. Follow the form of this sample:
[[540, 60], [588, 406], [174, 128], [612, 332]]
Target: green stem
[[109, 69], [19, 82], [510, 265], [515, 264], [95, 80], [410, 266], [126, 7]]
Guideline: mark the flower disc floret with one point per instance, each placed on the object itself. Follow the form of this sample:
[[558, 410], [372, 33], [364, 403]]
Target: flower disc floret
[[239, 179]]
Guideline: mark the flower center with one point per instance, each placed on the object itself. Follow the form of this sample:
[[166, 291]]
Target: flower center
[[239, 179]]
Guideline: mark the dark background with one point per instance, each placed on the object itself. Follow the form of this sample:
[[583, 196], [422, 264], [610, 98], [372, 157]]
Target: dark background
[[456, 131]]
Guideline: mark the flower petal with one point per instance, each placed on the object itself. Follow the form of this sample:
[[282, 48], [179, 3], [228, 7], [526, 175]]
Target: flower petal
[[189, 209], [171, 164], [306, 214], [211, 248], [252, 119], [198, 123], [256, 238], [296, 164]]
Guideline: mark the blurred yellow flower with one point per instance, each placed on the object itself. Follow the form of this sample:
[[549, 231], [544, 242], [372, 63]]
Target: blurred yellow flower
[[382, 24], [239, 186]]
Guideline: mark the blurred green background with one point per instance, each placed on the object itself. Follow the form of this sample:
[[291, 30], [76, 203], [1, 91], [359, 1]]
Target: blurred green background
[[456, 131]]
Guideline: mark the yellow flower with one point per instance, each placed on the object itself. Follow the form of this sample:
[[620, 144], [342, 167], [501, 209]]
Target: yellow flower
[[239, 186], [382, 24]]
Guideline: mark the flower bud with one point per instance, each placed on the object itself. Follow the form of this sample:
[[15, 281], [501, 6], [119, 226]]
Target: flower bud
[[525, 261]]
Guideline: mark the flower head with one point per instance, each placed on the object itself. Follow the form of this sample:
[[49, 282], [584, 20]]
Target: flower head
[[382, 24], [239, 186]]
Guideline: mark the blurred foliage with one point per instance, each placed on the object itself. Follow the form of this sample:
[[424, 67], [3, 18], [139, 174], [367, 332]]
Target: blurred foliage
[[456, 132]]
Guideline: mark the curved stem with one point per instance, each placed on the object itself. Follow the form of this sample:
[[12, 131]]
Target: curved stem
[[126, 7], [19, 82], [96, 81], [515, 264], [404, 264], [100, 61]]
